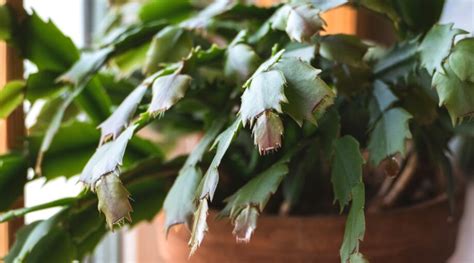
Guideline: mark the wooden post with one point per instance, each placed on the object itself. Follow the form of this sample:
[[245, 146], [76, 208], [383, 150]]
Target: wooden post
[[374, 27], [341, 20], [12, 129]]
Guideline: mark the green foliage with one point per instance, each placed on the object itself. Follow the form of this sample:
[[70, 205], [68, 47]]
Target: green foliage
[[398, 63], [106, 159], [11, 96], [41, 84], [179, 203], [406, 14], [347, 168], [207, 186], [79, 74], [414, 20], [267, 132], [389, 135], [57, 162], [345, 49], [461, 60], [304, 52], [308, 95], [94, 101], [171, 44], [300, 21], [199, 227], [163, 9], [127, 37], [245, 224], [67, 157], [229, 63], [466, 152], [167, 90], [329, 129], [355, 224], [5, 23], [357, 258], [250, 200], [77, 229], [436, 46], [241, 60], [20, 238], [51, 50], [132, 60], [32, 238], [383, 99], [13, 168], [58, 239], [303, 166], [121, 117], [256, 192], [113, 200], [54, 126], [385, 8], [456, 95], [148, 196], [86, 66], [265, 92]]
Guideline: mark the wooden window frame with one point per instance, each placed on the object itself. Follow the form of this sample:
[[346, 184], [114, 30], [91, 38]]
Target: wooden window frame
[[12, 130]]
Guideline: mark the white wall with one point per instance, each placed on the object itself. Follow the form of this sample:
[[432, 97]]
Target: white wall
[[459, 12], [68, 17]]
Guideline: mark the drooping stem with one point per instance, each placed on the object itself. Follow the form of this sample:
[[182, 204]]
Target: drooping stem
[[23, 211], [402, 181]]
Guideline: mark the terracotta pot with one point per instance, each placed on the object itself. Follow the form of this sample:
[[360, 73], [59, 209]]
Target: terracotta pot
[[422, 233]]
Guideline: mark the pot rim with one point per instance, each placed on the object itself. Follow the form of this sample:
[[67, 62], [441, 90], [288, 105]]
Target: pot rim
[[437, 200]]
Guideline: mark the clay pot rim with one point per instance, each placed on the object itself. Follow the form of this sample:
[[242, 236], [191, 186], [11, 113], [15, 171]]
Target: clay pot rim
[[437, 200]]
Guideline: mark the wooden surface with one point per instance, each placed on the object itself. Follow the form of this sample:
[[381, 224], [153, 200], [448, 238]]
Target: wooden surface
[[12, 129]]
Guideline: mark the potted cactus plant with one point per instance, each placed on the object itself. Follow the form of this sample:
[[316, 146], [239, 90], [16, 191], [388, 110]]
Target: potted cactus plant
[[303, 135]]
